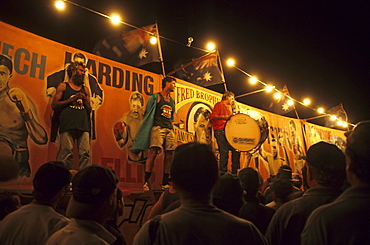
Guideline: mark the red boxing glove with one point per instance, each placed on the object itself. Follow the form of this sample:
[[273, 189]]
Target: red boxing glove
[[120, 131]]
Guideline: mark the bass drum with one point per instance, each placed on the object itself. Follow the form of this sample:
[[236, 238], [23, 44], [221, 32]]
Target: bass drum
[[246, 131]]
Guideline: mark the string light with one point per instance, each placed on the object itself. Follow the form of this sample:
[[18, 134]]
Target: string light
[[269, 88], [211, 46], [115, 19], [60, 5], [253, 80], [277, 96], [230, 62], [291, 100], [153, 40]]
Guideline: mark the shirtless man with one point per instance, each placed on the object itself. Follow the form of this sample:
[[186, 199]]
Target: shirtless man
[[18, 120]]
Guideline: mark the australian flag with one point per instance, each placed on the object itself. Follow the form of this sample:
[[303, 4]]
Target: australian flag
[[132, 47], [337, 111], [281, 105], [203, 71]]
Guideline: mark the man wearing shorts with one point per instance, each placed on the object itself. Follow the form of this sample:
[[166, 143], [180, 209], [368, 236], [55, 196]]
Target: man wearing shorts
[[156, 130]]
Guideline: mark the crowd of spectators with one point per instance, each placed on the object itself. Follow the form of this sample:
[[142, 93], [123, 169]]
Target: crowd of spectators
[[330, 205]]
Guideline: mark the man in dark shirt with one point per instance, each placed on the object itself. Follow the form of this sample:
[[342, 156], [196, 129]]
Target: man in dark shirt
[[156, 131], [325, 172], [72, 99]]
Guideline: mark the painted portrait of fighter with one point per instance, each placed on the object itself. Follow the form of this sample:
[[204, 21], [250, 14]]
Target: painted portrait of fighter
[[199, 124], [272, 159], [126, 128], [295, 144], [18, 120]]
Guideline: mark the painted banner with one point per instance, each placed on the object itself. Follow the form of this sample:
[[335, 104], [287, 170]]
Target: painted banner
[[118, 94], [118, 97], [315, 133]]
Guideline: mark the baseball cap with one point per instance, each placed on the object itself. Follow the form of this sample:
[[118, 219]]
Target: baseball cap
[[51, 176], [284, 171], [358, 139], [326, 157], [93, 183]]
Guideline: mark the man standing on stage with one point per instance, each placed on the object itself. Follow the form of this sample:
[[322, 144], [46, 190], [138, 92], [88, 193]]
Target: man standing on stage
[[72, 99], [220, 113], [156, 131], [91, 83]]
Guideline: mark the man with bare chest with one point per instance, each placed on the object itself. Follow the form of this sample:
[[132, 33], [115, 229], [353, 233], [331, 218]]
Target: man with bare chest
[[72, 102], [18, 120]]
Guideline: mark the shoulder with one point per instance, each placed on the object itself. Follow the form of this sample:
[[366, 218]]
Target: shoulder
[[62, 86], [85, 89], [142, 237], [154, 96], [218, 104], [322, 214]]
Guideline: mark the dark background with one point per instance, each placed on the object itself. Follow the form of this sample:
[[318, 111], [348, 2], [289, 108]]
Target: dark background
[[319, 49]]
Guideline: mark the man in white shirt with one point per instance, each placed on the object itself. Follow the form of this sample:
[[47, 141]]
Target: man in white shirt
[[36, 222], [93, 201]]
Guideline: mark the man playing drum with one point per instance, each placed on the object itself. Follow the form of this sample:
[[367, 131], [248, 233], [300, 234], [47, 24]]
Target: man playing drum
[[220, 114]]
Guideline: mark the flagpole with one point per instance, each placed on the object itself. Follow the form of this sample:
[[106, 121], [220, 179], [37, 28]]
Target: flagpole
[[160, 50], [222, 70], [296, 113], [345, 113], [188, 64]]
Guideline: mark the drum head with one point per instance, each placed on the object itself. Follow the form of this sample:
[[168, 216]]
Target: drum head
[[242, 132]]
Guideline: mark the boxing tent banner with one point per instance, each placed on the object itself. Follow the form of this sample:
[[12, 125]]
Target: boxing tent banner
[[119, 95], [35, 59], [315, 133]]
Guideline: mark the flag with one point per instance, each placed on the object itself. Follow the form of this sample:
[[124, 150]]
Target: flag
[[281, 106], [132, 48], [204, 71], [337, 111]]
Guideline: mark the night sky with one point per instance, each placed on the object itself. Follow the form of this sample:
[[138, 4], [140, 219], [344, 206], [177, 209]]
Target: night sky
[[319, 49]]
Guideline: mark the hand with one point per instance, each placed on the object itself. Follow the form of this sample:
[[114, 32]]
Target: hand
[[80, 96], [19, 98]]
